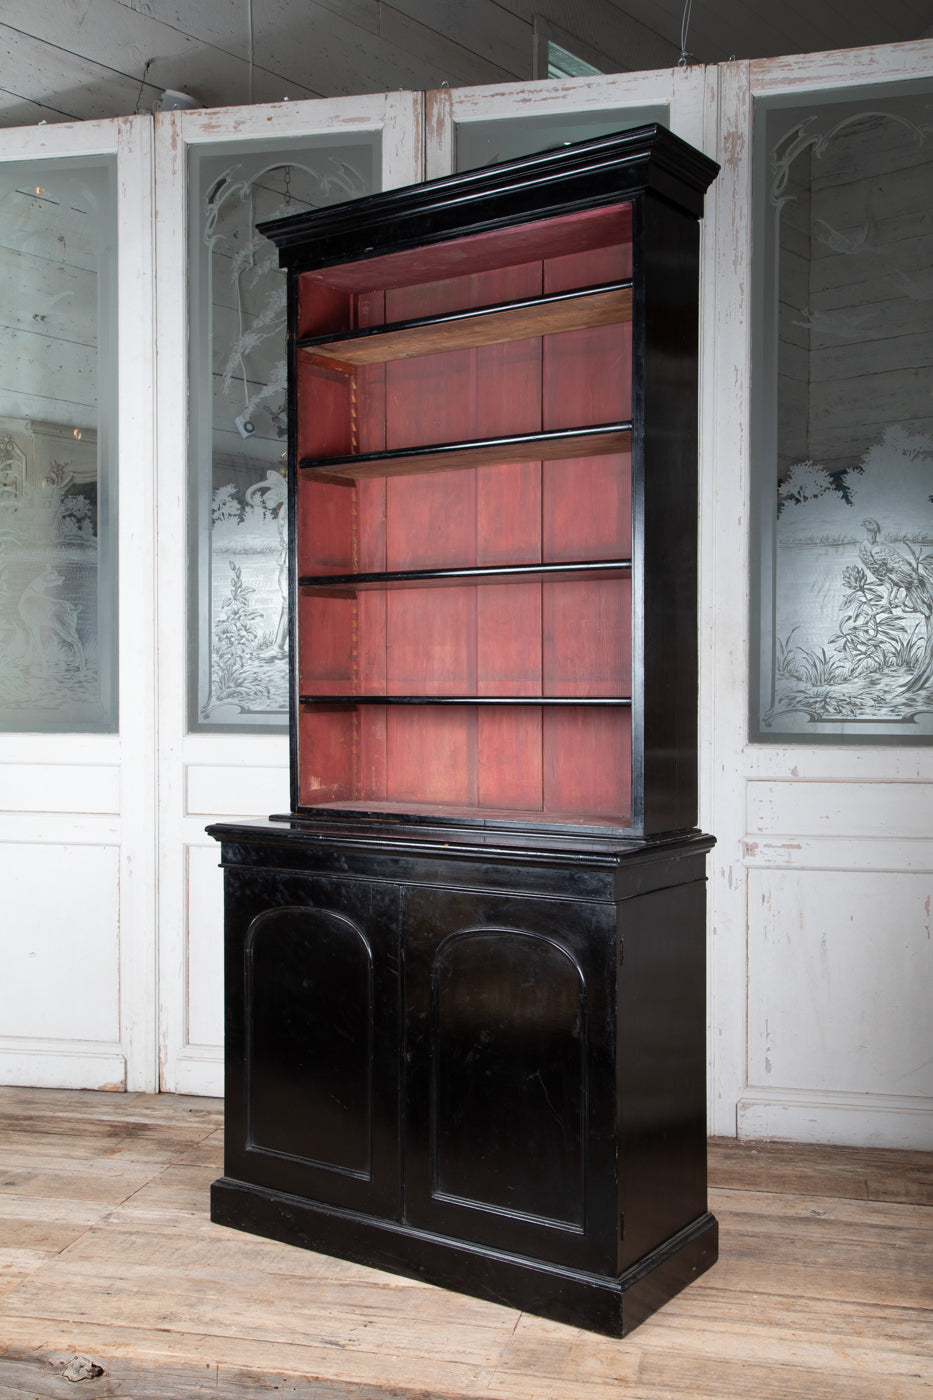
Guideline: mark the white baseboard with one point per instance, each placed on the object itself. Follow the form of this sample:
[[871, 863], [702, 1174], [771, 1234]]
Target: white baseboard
[[852, 1120], [199, 1071], [61, 1064]]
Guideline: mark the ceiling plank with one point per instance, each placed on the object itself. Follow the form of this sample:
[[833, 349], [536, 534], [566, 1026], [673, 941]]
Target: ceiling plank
[[333, 54], [460, 66], [483, 26], [626, 41], [113, 51], [75, 85], [16, 110]]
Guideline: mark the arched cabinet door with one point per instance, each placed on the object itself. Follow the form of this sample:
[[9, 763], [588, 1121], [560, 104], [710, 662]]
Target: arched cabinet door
[[510, 1085], [312, 1039]]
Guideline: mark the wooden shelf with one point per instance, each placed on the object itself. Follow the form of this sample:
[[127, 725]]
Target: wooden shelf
[[458, 456], [596, 569], [468, 814], [617, 702], [474, 326]]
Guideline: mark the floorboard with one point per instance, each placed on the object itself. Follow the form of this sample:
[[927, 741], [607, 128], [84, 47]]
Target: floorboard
[[824, 1287]]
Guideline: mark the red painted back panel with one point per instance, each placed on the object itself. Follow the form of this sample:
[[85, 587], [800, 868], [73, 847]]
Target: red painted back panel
[[559, 638]]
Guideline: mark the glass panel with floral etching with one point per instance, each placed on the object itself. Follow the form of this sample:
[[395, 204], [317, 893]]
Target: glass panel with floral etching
[[238, 428], [844, 418], [57, 479]]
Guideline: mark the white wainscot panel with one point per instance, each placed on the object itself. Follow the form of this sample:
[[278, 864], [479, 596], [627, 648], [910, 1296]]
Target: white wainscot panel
[[840, 853], [236, 790], [60, 952], [205, 964], [833, 809], [839, 970], [59, 787]]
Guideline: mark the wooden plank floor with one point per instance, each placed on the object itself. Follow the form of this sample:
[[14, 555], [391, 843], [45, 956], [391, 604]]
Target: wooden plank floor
[[824, 1286]]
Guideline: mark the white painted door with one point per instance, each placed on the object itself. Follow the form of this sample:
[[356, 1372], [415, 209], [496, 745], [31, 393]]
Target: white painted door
[[77, 607], [822, 878], [223, 749]]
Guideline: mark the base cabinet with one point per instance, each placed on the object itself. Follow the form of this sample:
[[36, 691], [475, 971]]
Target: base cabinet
[[481, 1067]]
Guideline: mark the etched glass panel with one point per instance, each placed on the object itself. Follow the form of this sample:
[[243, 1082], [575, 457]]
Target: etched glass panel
[[843, 427], [57, 479], [238, 423]]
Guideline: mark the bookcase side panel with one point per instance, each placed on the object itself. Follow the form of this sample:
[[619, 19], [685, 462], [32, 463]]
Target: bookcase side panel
[[322, 309], [670, 513]]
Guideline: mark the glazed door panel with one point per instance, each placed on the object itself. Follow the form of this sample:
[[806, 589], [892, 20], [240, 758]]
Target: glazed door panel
[[510, 1082], [77, 589], [312, 1037], [469, 127], [222, 662]]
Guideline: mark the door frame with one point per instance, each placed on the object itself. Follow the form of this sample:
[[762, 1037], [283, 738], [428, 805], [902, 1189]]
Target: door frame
[[206, 777], [99, 790], [743, 780]]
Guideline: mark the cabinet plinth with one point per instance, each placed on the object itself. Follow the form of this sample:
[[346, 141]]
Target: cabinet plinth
[[465, 975]]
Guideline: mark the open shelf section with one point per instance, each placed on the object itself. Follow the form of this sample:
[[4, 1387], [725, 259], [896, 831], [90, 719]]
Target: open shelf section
[[481, 325], [565, 443], [540, 754], [595, 569], [468, 815]]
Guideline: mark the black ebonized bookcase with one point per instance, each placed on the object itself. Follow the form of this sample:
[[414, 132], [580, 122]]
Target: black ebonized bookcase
[[465, 975]]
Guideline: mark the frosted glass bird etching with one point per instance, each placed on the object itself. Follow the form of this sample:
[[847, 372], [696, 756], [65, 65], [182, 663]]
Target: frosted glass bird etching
[[900, 575]]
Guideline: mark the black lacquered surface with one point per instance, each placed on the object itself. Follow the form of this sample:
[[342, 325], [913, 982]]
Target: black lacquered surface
[[473, 1050]]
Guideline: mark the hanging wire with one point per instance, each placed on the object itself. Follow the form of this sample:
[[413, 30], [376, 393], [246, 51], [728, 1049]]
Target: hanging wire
[[684, 31], [142, 82], [249, 12]]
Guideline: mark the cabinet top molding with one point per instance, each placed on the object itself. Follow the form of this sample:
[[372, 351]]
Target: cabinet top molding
[[578, 176]]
